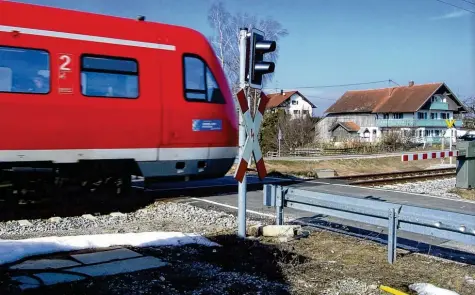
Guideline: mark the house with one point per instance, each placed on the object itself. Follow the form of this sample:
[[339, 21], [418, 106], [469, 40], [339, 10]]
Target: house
[[417, 111], [293, 102], [343, 131]]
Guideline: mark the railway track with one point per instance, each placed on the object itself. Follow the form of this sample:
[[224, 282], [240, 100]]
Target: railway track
[[397, 177]]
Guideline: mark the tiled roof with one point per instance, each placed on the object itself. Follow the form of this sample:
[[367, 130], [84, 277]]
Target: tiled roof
[[349, 126], [385, 100], [276, 99]]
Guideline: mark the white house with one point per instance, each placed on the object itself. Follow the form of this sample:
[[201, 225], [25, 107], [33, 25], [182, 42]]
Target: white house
[[293, 102]]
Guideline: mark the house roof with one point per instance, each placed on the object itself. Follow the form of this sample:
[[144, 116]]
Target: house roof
[[348, 126], [276, 99], [386, 100]]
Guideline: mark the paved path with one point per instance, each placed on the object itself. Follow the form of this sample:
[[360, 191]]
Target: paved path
[[337, 157], [70, 267]]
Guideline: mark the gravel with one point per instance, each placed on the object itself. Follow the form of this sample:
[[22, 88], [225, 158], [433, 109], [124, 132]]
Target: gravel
[[351, 286], [168, 216], [438, 188]]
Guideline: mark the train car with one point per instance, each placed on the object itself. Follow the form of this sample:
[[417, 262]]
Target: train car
[[95, 96]]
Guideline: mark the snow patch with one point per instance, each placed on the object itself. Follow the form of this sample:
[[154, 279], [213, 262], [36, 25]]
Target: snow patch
[[13, 250], [429, 289]]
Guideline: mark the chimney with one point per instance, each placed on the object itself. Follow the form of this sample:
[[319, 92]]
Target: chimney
[[282, 92], [411, 83]]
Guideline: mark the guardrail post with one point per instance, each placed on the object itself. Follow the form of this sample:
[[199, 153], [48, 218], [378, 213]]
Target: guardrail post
[[392, 235], [279, 198], [269, 195]]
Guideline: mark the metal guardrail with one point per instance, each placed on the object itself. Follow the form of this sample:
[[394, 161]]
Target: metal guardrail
[[429, 222]]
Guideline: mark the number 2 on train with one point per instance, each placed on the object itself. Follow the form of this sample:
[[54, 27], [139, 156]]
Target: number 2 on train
[[66, 60]]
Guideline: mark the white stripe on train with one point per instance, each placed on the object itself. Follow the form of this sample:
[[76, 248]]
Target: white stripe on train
[[139, 154], [90, 38]]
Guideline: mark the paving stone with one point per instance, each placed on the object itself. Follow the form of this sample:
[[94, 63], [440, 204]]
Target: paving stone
[[279, 230], [52, 278], [118, 267], [89, 217], [104, 256], [45, 263], [24, 222], [26, 282], [55, 219]]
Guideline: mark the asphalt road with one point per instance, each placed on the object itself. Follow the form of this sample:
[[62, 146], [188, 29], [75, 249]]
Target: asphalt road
[[222, 193]]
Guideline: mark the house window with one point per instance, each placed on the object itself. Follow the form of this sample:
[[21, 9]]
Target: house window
[[295, 102], [24, 70], [109, 77], [385, 116], [296, 112], [420, 115], [200, 83], [305, 112], [397, 116]]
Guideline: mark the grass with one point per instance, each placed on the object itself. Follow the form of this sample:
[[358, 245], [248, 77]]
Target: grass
[[467, 194], [331, 256], [345, 166]]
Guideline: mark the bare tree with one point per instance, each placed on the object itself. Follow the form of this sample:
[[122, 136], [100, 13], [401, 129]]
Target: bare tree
[[225, 40], [469, 118], [296, 132]]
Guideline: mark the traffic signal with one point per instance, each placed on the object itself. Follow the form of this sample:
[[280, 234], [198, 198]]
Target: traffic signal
[[257, 47]]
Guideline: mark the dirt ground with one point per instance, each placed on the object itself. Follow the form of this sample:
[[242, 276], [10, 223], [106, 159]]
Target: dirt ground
[[345, 167], [324, 263], [464, 194]]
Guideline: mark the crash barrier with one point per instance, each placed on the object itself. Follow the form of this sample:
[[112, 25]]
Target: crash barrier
[[429, 222]]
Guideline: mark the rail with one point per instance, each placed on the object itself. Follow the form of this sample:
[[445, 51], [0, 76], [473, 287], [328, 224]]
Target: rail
[[396, 177], [424, 221]]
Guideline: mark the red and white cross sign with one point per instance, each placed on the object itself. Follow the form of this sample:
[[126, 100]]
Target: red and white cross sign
[[251, 146]]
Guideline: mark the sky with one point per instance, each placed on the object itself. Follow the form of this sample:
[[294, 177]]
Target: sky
[[338, 42]]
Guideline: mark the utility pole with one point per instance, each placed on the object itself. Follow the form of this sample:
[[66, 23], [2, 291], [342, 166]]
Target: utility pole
[[242, 186]]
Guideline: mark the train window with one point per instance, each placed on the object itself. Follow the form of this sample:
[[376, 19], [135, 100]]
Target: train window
[[109, 77], [200, 84], [24, 70]]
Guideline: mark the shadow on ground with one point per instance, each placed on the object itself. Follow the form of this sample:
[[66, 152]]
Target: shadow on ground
[[238, 267], [410, 245]]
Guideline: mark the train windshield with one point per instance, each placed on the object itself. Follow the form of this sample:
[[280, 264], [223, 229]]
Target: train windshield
[[200, 83]]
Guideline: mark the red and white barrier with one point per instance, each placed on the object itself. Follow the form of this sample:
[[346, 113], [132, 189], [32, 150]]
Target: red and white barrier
[[251, 145], [429, 155]]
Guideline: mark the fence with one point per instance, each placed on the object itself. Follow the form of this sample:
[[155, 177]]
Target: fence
[[357, 148], [430, 222]]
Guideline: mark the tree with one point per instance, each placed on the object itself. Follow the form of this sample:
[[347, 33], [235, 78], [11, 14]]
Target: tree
[[225, 40], [469, 119], [268, 135], [296, 132]]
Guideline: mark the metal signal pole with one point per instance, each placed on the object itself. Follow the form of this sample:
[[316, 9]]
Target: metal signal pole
[[242, 134]]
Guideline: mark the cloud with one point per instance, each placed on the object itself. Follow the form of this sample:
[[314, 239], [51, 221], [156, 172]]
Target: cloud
[[453, 14]]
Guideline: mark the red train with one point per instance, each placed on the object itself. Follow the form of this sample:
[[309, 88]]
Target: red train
[[93, 95]]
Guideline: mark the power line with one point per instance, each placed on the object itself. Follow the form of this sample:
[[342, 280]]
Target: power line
[[322, 98], [471, 11], [336, 85], [468, 2]]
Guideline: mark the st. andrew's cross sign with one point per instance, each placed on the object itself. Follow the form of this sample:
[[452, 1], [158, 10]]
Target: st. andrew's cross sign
[[251, 146]]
